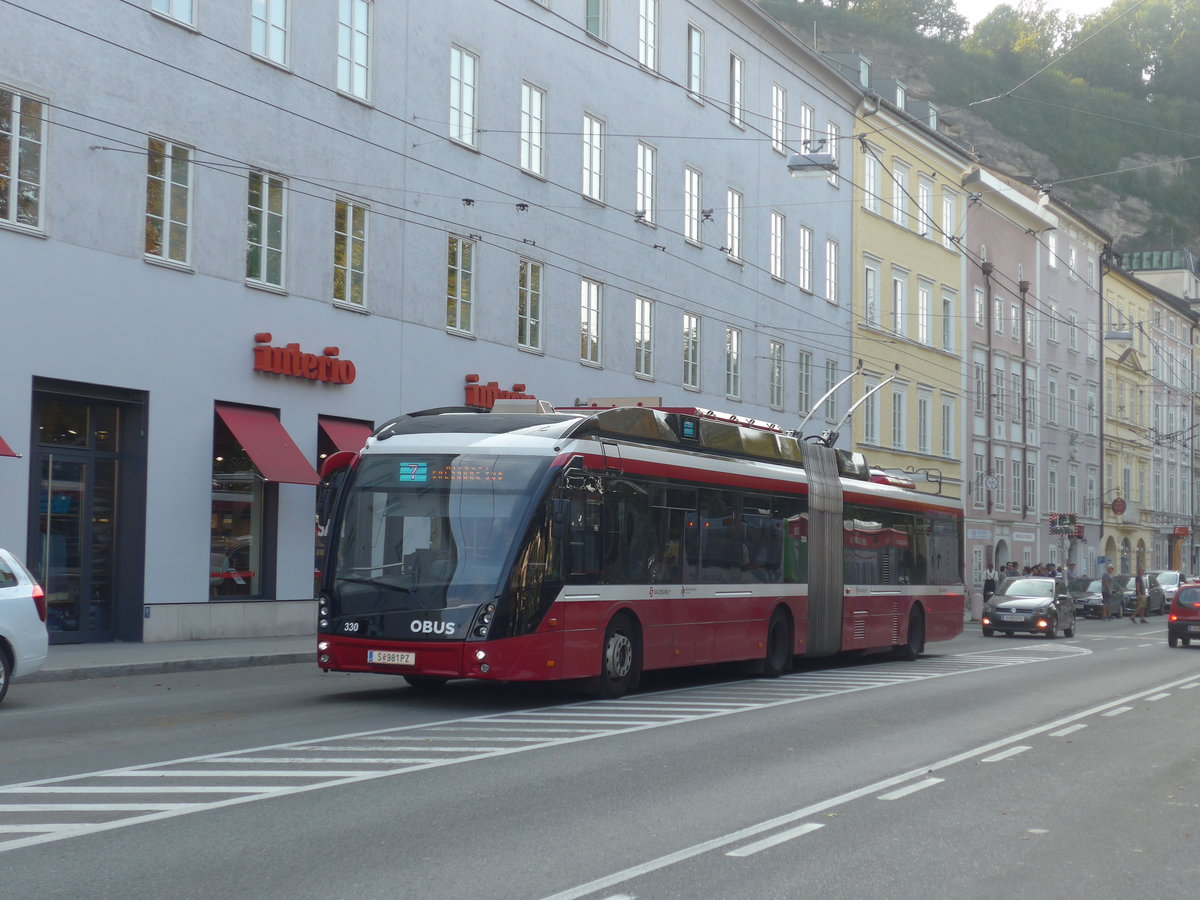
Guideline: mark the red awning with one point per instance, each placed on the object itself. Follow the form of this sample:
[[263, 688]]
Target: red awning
[[268, 445], [346, 435], [6, 450]]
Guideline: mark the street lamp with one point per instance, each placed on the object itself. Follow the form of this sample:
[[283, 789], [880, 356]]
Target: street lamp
[[813, 161]]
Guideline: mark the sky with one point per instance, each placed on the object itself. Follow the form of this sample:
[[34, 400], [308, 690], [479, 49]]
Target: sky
[[975, 10]]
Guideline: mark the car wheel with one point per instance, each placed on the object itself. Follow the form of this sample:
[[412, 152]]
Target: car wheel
[[1052, 631], [1069, 631], [1172, 641], [987, 632], [779, 654], [5, 672]]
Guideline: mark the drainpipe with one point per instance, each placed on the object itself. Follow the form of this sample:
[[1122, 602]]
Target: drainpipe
[[988, 376], [1023, 286]]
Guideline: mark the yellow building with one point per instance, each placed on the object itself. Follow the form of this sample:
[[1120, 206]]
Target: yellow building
[[1127, 526], [908, 298]]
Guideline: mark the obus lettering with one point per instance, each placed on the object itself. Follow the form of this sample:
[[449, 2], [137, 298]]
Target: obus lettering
[[446, 628]]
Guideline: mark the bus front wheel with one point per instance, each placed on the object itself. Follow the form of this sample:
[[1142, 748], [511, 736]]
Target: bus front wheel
[[620, 660]]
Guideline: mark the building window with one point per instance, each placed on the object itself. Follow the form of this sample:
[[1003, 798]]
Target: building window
[[589, 321], [871, 173], [804, 251], [529, 305], [643, 336], [183, 10], [1052, 486], [1015, 322], [1052, 400], [980, 389], [871, 413], [871, 295], [948, 320], [1030, 331], [269, 28], [464, 73], [805, 381], [807, 141], [691, 205], [733, 223], [900, 195], [1052, 249], [980, 498], [695, 63], [1073, 407], [354, 47], [924, 426], [733, 363], [924, 310], [948, 226], [460, 276], [691, 351], [647, 161], [648, 33], [778, 229], [238, 510], [168, 200], [349, 252], [948, 448], [776, 360], [924, 208], [999, 495], [266, 208], [998, 391], [831, 271], [778, 119], [595, 18], [737, 90], [980, 309], [898, 288], [1017, 396], [533, 129], [834, 140], [831, 380], [21, 139], [998, 315], [1072, 258], [1016, 484], [1073, 331], [593, 158], [1093, 413], [898, 420]]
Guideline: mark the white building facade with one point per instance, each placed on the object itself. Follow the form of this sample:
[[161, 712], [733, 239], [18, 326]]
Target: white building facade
[[239, 235]]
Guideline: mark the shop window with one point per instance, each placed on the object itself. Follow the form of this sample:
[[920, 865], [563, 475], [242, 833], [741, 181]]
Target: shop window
[[238, 503]]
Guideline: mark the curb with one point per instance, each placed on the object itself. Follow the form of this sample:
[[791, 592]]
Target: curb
[[164, 667]]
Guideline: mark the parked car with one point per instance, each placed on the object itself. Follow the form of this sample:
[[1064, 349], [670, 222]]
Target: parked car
[[1034, 605], [1089, 598], [1170, 580], [1156, 603], [1183, 620], [23, 637]]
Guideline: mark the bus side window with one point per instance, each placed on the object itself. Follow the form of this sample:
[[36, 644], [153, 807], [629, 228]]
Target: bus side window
[[584, 536]]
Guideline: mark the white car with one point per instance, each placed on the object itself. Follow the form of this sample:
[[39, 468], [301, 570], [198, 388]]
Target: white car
[[23, 637]]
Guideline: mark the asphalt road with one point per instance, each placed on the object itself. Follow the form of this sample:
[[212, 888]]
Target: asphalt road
[[989, 768]]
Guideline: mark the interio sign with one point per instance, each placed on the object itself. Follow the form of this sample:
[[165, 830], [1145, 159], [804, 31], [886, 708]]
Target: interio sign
[[484, 396], [290, 360]]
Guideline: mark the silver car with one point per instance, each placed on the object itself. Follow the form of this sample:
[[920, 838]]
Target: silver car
[[23, 638]]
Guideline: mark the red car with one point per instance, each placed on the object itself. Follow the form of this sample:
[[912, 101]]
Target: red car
[[1183, 619]]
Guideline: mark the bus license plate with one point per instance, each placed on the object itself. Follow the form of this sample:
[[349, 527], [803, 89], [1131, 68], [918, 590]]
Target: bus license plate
[[1012, 618], [392, 657]]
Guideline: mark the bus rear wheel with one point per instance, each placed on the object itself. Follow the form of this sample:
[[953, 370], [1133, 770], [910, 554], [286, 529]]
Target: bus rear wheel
[[916, 636], [778, 659], [620, 659]]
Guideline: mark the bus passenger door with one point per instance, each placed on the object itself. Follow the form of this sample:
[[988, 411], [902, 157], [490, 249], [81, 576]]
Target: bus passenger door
[[677, 554]]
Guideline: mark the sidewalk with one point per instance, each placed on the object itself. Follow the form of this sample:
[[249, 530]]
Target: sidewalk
[[67, 662]]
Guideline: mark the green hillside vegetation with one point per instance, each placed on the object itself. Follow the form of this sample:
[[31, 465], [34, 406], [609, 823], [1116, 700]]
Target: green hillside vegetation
[[1111, 101]]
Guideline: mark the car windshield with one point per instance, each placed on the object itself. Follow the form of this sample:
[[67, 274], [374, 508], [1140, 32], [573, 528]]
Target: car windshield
[[1027, 587], [422, 532], [1087, 586], [1167, 579]]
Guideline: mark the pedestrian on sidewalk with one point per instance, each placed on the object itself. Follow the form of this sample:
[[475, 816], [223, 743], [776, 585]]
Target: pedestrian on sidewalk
[[1140, 592], [1112, 597]]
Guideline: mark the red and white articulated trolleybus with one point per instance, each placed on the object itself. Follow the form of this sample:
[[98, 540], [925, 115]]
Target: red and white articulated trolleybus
[[602, 543]]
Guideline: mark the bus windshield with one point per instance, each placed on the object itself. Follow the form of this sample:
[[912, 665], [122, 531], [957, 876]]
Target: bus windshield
[[430, 531]]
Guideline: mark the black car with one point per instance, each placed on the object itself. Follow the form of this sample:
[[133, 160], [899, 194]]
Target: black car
[[1089, 598], [1156, 602], [1033, 605]]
